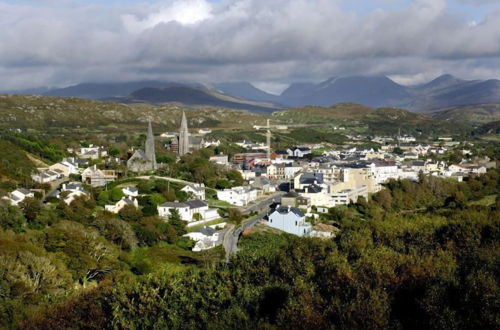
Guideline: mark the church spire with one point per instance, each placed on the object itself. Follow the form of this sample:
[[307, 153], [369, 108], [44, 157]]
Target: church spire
[[150, 146], [183, 136]]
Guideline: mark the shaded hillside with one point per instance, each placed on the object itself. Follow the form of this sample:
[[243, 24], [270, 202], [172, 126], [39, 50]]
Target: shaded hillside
[[245, 91], [195, 97], [374, 91], [479, 114], [106, 90], [27, 111]]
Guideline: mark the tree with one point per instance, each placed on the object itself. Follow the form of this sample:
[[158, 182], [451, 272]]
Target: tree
[[31, 207], [176, 221], [117, 231], [235, 215], [116, 194], [130, 213], [11, 217]]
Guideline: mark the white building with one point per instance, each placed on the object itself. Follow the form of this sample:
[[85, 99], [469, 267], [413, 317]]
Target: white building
[[65, 167], [344, 197], [383, 171], [220, 159], [205, 238], [19, 195], [188, 211], [72, 191], [92, 152], [130, 191], [239, 196], [299, 152], [196, 190], [125, 201], [290, 220], [45, 175]]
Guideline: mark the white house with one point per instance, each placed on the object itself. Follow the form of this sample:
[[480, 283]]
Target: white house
[[121, 204], [45, 175], [92, 152], [188, 210], [96, 177], [65, 167], [75, 190], [19, 195], [299, 152], [130, 191], [239, 196], [197, 190], [290, 220], [205, 238], [384, 170]]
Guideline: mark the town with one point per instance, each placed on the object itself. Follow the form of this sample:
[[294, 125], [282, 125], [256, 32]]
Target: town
[[288, 189]]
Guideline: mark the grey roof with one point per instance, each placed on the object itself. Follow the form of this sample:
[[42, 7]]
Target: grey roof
[[132, 189], [173, 205], [314, 189], [24, 191], [207, 231], [194, 204], [286, 210]]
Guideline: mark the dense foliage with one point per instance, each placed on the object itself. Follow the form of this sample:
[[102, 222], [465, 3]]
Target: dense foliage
[[418, 256]]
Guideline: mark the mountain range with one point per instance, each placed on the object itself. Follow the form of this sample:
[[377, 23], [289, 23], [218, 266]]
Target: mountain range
[[374, 91]]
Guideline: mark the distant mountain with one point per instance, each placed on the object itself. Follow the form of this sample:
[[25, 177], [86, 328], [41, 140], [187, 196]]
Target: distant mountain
[[375, 91], [245, 90], [192, 96], [455, 92], [97, 91], [445, 91]]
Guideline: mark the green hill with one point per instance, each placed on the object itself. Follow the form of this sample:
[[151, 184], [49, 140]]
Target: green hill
[[374, 121], [38, 112], [477, 114]]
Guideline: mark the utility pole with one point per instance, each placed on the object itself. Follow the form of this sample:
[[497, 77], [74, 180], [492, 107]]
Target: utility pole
[[268, 136]]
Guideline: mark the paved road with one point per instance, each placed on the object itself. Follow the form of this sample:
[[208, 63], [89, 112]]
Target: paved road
[[53, 187], [232, 236], [163, 178], [264, 204]]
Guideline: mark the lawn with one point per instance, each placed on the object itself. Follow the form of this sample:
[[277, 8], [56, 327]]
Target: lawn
[[486, 201]]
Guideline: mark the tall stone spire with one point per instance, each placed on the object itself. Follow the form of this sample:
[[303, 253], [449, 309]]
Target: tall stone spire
[[150, 147], [183, 136]]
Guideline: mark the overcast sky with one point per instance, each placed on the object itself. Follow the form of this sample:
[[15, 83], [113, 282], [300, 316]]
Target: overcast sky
[[268, 42]]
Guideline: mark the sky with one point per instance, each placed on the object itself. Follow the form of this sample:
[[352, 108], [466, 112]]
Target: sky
[[271, 43]]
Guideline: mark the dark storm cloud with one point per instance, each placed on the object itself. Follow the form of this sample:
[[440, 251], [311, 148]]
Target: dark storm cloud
[[257, 40]]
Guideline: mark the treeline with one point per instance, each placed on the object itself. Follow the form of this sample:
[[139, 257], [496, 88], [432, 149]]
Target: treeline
[[196, 167], [52, 252], [427, 261], [35, 145]]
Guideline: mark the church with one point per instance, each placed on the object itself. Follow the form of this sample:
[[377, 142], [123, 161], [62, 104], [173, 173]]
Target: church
[[142, 161], [185, 143]]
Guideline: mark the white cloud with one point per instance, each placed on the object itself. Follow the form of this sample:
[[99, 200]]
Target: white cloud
[[185, 12], [267, 41]]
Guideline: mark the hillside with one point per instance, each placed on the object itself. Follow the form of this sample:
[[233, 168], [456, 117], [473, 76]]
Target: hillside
[[191, 96], [38, 112], [15, 165], [378, 121], [480, 114]]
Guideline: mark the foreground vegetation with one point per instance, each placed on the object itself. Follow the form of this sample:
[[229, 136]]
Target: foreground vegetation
[[418, 255]]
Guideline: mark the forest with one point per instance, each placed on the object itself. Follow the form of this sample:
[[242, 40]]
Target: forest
[[416, 255]]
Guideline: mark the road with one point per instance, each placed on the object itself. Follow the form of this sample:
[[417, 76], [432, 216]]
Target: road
[[233, 235], [163, 178], [264, 204], [53, 187]]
